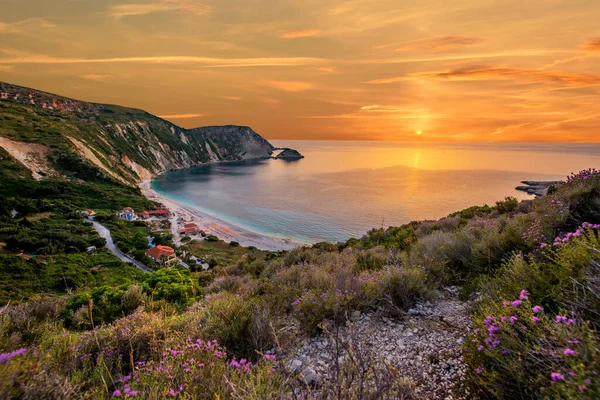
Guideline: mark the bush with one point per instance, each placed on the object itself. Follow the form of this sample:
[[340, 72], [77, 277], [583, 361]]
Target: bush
[[234, 244], [508, 205], [519, 351]]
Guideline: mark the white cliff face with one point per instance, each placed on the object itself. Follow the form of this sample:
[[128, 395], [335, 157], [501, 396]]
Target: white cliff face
[[127, 144]]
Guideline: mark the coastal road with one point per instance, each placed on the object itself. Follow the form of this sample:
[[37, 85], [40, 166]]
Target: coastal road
[[110, 245]]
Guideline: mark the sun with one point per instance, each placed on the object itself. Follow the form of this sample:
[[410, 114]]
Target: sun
[[419, 133]]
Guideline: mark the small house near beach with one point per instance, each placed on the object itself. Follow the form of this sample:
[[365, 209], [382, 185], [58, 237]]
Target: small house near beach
[[127, 214], [162, 254]]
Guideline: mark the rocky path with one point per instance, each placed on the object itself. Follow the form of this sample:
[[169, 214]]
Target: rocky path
[[425, 347]]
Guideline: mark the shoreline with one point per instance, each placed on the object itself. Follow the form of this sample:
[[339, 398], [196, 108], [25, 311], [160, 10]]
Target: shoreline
[[224, 230]]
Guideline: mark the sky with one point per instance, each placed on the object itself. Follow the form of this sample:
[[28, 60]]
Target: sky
[[453, 70]]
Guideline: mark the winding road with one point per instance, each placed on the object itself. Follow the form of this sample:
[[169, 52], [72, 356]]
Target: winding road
[[110, 245]]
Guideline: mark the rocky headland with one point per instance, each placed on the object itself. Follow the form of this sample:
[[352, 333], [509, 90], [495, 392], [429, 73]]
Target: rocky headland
[[537, 188]]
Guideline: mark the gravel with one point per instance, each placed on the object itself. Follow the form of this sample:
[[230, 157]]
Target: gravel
[[425, 347]]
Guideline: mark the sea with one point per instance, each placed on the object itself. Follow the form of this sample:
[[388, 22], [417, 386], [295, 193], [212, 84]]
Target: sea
[[342, 189]]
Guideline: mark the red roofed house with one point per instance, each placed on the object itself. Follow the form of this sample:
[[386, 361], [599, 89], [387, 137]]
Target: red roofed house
[[162, 254], [157, 213], [188, 228]]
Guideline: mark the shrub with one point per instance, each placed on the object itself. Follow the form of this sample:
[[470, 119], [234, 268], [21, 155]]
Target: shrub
[[508, 205], [519, 351], [231, 319], [234, 244]]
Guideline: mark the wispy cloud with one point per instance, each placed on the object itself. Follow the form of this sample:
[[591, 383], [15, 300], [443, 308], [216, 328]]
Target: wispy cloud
[[96, 77], [443, 43], [24, 26], [471, 56], [270, 101], [329, 70], [190, 6], [206, 61], [486, 72], [591, 45], [290, 86], [376, 108], [181, 116], [299, 34], [232, 98], [576, 119], [503, 129], [126, 10]]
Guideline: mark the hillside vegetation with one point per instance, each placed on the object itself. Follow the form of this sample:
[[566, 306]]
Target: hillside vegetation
[[57, 136], [529, 271]]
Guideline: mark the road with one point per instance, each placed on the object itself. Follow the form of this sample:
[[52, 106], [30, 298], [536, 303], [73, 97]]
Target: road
[[110, 245]]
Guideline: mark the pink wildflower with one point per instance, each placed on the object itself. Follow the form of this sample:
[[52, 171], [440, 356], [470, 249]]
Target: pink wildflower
[[516, 303], [557, 377], [537, 309], [569, 352], [524, 295]]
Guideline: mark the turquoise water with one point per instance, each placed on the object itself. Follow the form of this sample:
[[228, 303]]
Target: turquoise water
[[344, 189]]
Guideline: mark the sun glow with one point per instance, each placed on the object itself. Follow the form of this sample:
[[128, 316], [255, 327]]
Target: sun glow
[[419, 133]]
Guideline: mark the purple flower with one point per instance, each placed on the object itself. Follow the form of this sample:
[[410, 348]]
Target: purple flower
[[480, 347], [569, 352], [560, 318], [524, 295], [557, 377], [535, 319], [581, 388], [571, 322], [516, 303], [588, 381], [117, 393], [7, 356], [479, 371], [513, 319], [537, 309], [270, 357]]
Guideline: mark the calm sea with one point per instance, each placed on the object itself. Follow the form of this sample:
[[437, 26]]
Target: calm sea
[[343, 189]]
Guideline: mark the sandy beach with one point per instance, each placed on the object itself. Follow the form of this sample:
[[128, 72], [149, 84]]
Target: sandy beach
[[214, 226]]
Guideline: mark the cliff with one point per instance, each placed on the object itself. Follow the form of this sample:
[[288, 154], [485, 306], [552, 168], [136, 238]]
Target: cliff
[[47, 133]]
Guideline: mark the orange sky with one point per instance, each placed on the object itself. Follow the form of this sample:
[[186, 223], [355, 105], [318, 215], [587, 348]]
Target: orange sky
[[470, 70]]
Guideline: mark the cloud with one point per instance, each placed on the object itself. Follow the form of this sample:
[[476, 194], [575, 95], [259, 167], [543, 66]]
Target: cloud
[[205, 61], [376, 108], [180, 116], [290, 86], [471, 56], [576, 119], [126, 10], [502, 129], [488, 73], [232, 98], [25, 26], [591, 45], [269, 100], [95, 77], [329, 70], [299, 34], [190, 6], [441, 43]]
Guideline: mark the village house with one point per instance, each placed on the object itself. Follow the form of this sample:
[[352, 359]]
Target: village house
[[155, 213], [189, 228], [127, 214], [162, 254], [89, 214]]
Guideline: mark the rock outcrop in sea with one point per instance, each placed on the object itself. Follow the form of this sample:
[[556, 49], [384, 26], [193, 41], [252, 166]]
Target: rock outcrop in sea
[[289, 154]]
